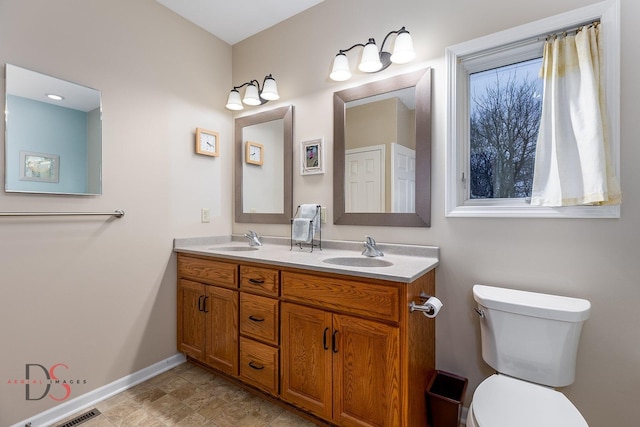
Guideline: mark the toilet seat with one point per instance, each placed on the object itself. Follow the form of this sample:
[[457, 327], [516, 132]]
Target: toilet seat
[[503, 401]]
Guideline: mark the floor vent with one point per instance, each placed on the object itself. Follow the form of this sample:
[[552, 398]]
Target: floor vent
[[81, 418]]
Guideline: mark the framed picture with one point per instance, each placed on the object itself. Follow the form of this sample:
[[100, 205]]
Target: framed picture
[[254, 153], [312, 157], [207, 142], [39, 167]]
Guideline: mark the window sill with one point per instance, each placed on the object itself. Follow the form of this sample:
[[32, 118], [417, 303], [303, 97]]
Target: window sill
[[515, 209]]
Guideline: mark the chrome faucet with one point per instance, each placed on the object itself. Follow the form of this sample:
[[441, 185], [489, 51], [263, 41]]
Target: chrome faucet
[[370, 248], [254, 239]]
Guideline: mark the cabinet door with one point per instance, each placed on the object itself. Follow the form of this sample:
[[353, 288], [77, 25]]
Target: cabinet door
[[306, 356], [221, 309], [191, 319], [366, 375]]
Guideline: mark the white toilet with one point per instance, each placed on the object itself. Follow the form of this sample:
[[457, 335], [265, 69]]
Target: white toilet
[[531, 340]]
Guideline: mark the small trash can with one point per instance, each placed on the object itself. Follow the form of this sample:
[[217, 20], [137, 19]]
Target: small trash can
[[445, 394]]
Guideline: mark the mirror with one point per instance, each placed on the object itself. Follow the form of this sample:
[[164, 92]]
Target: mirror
[[382, 152], [264, 167], [53, 135]]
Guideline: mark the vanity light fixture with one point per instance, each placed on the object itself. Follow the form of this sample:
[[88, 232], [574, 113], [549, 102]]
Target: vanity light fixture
[[374, 60], [253, 95]]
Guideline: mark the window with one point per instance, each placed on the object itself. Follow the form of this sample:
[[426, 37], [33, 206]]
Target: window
[[494, 96]]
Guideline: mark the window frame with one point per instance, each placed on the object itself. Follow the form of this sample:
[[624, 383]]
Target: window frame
[[516, 44]]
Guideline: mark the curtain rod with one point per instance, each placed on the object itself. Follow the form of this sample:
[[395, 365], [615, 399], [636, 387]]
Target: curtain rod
[[529, 41], [118, 213]]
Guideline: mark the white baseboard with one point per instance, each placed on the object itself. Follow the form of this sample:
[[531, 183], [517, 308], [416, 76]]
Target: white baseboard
[[86, 400]]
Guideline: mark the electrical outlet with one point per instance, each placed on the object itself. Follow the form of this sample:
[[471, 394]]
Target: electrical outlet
[[323, 214], [205, 215]]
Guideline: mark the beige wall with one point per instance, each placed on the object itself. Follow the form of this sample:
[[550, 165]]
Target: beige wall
[[99, 294], [594, 259]]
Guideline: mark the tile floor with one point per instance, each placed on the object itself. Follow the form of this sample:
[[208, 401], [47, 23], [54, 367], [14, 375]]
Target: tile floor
[[188, 395]]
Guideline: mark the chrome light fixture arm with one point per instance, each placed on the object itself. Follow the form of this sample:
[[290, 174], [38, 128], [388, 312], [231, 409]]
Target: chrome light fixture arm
[[343, 51]]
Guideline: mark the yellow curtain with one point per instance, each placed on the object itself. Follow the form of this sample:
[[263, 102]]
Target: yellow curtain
[[573, 161]]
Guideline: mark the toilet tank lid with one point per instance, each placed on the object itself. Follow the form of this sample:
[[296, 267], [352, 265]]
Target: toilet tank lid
[[534, 304]]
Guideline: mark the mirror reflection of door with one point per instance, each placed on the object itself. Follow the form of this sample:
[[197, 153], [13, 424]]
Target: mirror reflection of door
[[364, 185], [403, 179], [388, 121]]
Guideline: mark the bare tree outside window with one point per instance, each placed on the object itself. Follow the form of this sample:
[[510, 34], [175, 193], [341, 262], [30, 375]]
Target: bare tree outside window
[[505, 109]]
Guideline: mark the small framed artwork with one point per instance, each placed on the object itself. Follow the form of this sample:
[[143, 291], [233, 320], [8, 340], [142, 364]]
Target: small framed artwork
[[207, 142], [254, 153], [39, 167], [312, 153]]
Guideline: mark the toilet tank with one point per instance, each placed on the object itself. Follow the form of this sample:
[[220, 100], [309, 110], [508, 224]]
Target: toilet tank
[[529, 335]]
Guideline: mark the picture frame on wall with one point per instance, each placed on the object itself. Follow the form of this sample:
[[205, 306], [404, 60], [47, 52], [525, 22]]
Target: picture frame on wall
[[254, 153], [39, 167], [312, 157], [207, 142]]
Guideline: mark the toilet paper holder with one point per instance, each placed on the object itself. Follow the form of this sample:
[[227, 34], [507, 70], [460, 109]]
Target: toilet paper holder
[[422, 307]]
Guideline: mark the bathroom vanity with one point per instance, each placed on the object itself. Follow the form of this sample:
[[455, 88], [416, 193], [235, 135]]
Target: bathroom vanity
[[334, 341]]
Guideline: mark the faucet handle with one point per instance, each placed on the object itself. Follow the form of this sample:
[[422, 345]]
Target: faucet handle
[[370, 247], [254, 239]]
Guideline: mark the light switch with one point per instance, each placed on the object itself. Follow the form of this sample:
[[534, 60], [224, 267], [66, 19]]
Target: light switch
[[205, 215]]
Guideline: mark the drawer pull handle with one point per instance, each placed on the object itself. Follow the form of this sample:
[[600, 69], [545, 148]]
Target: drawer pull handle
[[333, 341], [256, 319], [204, 304], [256, 281], [325, 344], [256, 367], [200, 303]]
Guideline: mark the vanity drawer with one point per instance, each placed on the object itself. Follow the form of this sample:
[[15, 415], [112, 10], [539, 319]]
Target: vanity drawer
[[372, 300], [260, 280], [208, 271], [259, 317], [259, 365]]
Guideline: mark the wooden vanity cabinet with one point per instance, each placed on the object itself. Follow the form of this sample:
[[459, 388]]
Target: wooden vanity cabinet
[[208, 306], [342, 368], [345, 349], [351, 352]]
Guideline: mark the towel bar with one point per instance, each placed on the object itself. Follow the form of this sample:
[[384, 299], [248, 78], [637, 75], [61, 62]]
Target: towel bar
[[118, 213]]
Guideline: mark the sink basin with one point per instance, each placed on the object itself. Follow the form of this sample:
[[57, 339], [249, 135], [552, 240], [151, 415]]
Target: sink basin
[[358, 262], [233, 248]]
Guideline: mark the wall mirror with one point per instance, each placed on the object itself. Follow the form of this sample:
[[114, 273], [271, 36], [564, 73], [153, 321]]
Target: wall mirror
[[382, 152], [264, 167], [53, 135]]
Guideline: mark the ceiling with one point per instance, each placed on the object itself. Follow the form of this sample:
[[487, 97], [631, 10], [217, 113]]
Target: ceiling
[[32, 85], [235, 20]]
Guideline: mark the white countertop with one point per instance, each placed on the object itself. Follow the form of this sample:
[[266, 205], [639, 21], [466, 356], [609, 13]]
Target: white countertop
[[409, 261]]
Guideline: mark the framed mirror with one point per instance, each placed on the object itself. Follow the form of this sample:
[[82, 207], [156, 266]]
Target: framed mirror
[[382, 152], [264, 167], [53, 135]]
